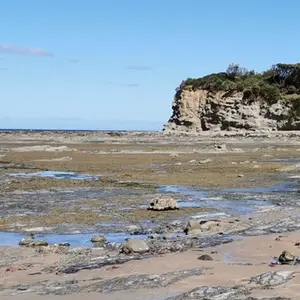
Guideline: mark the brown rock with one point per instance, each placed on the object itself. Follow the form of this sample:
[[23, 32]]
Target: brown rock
[[205, 257]]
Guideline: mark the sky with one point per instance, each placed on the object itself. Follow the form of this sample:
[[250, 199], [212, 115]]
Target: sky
[[115, 64]]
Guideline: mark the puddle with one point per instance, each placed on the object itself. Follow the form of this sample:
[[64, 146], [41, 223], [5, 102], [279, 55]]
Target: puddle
[[57, 175], [76, 240]]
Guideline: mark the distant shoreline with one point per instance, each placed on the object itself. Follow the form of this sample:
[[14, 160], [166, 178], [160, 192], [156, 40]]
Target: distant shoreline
[[3, 130]]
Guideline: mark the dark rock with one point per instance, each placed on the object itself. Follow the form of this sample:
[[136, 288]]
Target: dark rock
[[205, 257]]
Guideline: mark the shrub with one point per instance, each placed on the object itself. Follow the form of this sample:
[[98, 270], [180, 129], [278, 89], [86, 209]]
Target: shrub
[[271, 85]]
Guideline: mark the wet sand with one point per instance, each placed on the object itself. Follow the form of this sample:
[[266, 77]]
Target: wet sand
[[248, 257]]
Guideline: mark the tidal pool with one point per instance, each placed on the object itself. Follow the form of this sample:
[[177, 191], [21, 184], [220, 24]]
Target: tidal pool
[[76, 240], [234, 201], [58, 175]]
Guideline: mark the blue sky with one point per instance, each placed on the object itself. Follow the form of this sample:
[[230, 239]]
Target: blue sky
[[111, 63]]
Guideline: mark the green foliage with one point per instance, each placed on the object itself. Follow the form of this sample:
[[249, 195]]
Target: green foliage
[[271, 85]]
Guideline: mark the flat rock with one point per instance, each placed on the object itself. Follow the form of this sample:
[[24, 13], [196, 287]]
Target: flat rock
[[272, 278]]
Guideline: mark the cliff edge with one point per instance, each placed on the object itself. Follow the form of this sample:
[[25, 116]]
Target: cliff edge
[[238, 99]]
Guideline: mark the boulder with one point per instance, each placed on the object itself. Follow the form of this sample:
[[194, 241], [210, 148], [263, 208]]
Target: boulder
[[135, 246], [30, 242], [205, 257], [197, 226], [98, 239], [26, 241], [163, 203]]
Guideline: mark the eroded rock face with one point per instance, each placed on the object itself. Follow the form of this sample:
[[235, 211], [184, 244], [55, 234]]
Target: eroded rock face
[[199, 110], [163, 203]]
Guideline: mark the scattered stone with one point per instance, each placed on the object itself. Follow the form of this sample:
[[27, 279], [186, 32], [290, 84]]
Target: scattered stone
[[237, 150], [241, 175], [135, 246], [132, 228], [163, 203], [205, 161], [174, 155], [256, 167], [98, 239], [193, 161], [205, 257], [221, 147], [66, 244]]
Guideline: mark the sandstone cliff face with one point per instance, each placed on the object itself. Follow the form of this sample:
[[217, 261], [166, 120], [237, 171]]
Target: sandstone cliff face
[[196, 111]]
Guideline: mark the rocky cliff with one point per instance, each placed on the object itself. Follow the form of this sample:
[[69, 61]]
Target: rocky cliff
[[260, 106]]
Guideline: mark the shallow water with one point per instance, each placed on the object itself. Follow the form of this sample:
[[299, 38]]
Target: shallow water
[[191, 191], [234, 201], [57, 175], [76, 240], [234, 207]]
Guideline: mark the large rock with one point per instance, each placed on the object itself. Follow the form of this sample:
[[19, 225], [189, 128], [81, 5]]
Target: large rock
[[163, 203], [198, 226], [199, 110], [30, 242], [135, 246], [98, 239]]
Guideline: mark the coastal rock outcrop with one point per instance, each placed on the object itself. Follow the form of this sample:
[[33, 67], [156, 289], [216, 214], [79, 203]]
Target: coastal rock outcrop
[[244, 100]]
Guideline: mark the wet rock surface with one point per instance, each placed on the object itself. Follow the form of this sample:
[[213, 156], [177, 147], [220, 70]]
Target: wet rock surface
[[272, 278], [153, 281], [99, 285]]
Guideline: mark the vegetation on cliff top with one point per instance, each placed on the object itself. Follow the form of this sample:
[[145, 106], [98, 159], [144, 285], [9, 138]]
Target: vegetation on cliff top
[[281, 81]]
